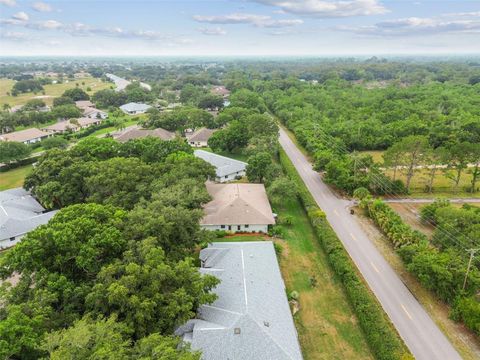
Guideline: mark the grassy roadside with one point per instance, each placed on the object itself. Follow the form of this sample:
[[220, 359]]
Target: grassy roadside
[[381, 336], [326, 325], [14, 178]]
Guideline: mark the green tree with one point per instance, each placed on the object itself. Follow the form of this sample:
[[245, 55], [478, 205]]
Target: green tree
[[11, 151], [55, 142], [261, 168], [282, 189], [148, 293], [76, 94], [63, 100]]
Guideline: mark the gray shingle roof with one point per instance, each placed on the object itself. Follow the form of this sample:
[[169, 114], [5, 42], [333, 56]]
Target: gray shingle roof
[[24, 135], [223, 165], [251, 318], [20, 213], [135, 107]]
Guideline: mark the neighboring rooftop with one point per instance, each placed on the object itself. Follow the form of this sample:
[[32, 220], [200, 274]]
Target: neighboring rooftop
[[223, 164], [90, 110], [23, 135], [251, 319], [135, 107], [220, 90], [136, 132], [20, 213], [237, 204], [201, 135], [83, 104]]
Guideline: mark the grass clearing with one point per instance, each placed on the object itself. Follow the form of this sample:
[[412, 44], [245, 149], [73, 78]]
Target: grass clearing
[[326, 325], [51, 90], [14, 178]]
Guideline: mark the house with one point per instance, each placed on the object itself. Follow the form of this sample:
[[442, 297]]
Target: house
[[83, 104], [27, 136], [72, 125], [200, 137], [251, 318], [237, 207], [20, 213], [134, 108], [220, 91], [135, 132], [94, 113], [62, 127], [226, 169]]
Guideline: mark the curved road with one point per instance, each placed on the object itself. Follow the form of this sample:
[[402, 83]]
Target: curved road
[[421, 335]]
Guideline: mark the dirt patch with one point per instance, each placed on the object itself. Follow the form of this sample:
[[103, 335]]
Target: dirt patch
[[410, 213]]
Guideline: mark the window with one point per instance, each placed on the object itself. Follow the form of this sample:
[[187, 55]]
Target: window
[[247, 226], [12, 238], [229, 227], [238, 227], [222, 226], [226, 177]]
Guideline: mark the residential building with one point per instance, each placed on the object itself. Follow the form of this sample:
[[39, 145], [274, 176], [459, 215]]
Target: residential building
[[27, 136], [251, 318], [200, 137], [72, 125], [135, 132], [227, 169], [94, 113], [20, 213], [220, 91], [83, 104], [134, 108], [237, 207]]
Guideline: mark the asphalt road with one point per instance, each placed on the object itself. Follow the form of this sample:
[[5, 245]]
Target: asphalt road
[[421, 335]]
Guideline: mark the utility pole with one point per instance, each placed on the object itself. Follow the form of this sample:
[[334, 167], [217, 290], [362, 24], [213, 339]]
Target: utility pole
[[472, 254]]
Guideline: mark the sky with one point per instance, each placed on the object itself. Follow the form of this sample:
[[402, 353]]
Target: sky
[[239, 27]]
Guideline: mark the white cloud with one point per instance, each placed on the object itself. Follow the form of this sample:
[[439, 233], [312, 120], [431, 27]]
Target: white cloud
[[48, 25], [21, 16], [42, 7], [422, 26], [13, 35], [252, 19], [8, 2], [212, 31], [328, 8]]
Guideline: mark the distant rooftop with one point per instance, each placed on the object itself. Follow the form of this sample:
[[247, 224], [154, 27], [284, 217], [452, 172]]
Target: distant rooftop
[[134, 107], [251, 319], [201, 135], [138, 133], [23, 135], [224, 165], [20, 213]]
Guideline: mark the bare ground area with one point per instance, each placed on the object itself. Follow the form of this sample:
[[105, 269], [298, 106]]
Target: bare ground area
[[465, 342], [410, 213]]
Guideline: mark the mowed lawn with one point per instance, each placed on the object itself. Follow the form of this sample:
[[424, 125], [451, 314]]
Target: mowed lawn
[[326, 325], [51, 90], [14, 178]]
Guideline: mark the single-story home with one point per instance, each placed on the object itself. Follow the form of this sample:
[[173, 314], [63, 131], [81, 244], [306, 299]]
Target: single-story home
[[226, 169], [27, 136], [199, 138], [237, 207], [220, 91], [251, 317], [83, 104], [135, 132], [94, 113], [72, 125], [134, 108], [20, 213]]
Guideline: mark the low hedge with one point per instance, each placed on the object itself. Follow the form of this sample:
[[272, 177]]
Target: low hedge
[[381, 336]]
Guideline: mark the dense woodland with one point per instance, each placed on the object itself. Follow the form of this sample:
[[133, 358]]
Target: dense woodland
[[113, 273]]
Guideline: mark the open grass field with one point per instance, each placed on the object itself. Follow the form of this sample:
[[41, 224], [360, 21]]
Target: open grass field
[[326, 325], [14, 178], [51, 90]]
